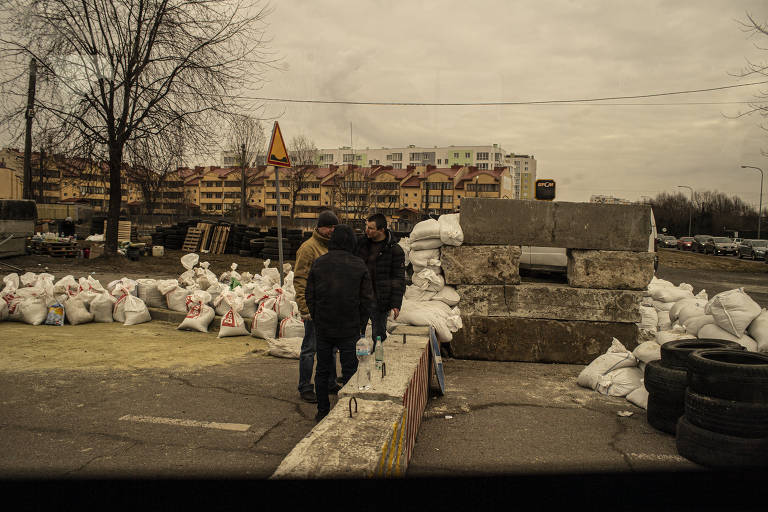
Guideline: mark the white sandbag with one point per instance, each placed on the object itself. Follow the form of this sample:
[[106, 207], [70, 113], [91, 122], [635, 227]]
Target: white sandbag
[[649, 318], [188, 261], [674, 311], [284, 303], [450, 229], [702, 295], [647, 301], [215, 290], [33, 310], [417, 294], [758, 330], [664, 323], [232, 323], [425, 244], [429, 313], [102, 308], [136, 311], [688, 312], [289, 348], [148, 292], [617, 356], [56, 314], [118, 308], [86, 297], [14, 311], [425, 257], [77, 312], [676, 333], [620, 382], [199, 315], [425, 229], [670, 294], [685, 286], [3, 310], [647, 351], [713, 331], [639, 397], [663, 306], [448, 295], [695, 323], [250, 305], [646, 335], [123, 283], [28, 279], [264, 323], [66, 285], [292, 326], [428, 280], [405, 244], [175, 295], [733, 310], [272, 275], [11, 281]]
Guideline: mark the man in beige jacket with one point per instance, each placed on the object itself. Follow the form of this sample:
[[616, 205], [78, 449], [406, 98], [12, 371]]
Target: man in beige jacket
[[309, 251]]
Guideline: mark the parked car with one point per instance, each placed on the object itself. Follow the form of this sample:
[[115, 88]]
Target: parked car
[[668, 241], [754, 249], [737, 241], [685, 243], [698, 242], [719, 245]]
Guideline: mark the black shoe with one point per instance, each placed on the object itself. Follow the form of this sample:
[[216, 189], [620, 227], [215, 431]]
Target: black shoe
[[334, 390], [309, 396], [340, 381], [319, 416]]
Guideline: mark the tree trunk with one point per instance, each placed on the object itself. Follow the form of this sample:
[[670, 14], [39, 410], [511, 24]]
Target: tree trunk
[[115, 188]]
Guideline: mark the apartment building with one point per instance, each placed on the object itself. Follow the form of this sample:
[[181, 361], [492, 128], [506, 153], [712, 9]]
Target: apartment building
[[596, 198]]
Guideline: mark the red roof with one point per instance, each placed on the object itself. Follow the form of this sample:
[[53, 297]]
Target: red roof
[[446, 171], [413, 181]]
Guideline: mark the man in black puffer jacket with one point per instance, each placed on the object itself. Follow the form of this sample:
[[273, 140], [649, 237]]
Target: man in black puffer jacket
[[385, 261], [339, 297]]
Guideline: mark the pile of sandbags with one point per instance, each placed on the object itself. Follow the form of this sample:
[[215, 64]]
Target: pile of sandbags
[[428, 301]]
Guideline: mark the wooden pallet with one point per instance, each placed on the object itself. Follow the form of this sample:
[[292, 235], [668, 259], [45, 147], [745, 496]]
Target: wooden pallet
[[205, 235], [123, 230], [219, 240], [192, 241], [58, 249]]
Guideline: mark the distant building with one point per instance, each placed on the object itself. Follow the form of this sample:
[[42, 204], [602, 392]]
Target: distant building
[[608, 200]]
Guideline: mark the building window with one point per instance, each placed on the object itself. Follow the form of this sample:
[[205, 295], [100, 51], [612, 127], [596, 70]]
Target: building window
[[482, 166], [349, 157], [359, 157], [467, 155], [397, 166], [482, 155], [415, 157], [455, 155], [397, 157]]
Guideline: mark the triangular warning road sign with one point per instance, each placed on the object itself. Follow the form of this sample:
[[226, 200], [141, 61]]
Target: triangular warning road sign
[[277, 154]]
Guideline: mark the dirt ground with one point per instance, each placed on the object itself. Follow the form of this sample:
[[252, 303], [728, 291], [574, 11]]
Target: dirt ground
[[671, 258]]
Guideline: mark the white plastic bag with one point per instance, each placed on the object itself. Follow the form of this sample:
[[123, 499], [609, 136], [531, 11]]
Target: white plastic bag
[[450, 229], [199, 313], [758, 330], [733, 310], [264, 323], [712, 331], [617, 356], [620, 382], [136, 311], [695, 323], [292, 326], [77, 313], [102, 308], [232, 323], [647, 351], [285, 347], [56, 314]]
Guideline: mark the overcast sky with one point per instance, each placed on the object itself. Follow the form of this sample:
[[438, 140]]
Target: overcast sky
[[532, 50]]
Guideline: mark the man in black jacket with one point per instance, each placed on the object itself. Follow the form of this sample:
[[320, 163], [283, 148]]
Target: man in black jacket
[[385, 261], [339, 297]]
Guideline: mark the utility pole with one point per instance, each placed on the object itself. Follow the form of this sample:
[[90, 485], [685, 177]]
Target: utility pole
[[243, 213], [760, 209], [29, 114]]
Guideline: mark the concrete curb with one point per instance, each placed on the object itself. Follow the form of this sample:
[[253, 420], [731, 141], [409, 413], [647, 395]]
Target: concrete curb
[[378, 440]]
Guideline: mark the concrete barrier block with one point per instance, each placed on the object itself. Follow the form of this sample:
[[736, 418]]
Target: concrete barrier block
[[481, 264], [538, 340], [610, 269], [616, 227], [550, 301], [369, 444]]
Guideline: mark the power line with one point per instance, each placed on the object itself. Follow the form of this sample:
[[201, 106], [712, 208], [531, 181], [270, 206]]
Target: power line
[[507, 103]]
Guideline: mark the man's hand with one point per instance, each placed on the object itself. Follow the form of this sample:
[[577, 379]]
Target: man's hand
[[306, 317], [395, 313]]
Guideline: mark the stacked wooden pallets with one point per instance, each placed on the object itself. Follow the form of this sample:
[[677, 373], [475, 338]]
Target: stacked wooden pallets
[[206, 237], [123, 230], [54, 248]]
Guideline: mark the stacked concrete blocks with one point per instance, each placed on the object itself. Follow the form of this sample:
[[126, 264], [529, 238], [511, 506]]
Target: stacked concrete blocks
[[506, 320]]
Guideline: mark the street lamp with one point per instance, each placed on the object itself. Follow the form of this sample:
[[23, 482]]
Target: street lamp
[[690, 210], [760, 209]]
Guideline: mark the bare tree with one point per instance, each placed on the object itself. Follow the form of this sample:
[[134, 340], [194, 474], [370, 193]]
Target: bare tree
[[247, 140], [151, 162], [116, 71], [303, 154], [351, 193], [757, 30]]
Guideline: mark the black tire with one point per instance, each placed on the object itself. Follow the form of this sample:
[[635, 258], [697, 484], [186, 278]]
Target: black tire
[[666, 383], [674, 354], [741, 419], [729, 374], [663, 414], [741, 257], [720, 450]]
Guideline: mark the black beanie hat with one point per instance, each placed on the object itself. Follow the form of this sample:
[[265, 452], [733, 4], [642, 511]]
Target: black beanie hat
[[327, 218]]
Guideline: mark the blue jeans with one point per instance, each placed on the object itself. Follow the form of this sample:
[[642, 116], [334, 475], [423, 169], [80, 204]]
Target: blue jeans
[[378, 324], [326, 367], [307, 359]]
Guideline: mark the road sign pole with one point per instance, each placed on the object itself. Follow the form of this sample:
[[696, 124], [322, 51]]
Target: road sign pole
[[279, 224], [277, 156]]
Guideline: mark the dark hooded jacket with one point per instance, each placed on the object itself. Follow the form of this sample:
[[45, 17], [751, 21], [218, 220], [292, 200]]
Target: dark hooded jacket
[[339, 292], [389, 277]]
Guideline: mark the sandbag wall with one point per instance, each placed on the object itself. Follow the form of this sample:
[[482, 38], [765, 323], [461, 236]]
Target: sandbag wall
[[505, 319]]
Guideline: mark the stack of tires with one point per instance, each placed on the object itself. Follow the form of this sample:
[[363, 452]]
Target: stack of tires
[[174, 236], [270, 250], [725, 424], [245, 241], [295, 239], [666, 380]]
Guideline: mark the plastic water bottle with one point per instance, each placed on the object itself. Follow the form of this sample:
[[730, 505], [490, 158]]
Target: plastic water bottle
[[363, 349], [379, 353]]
